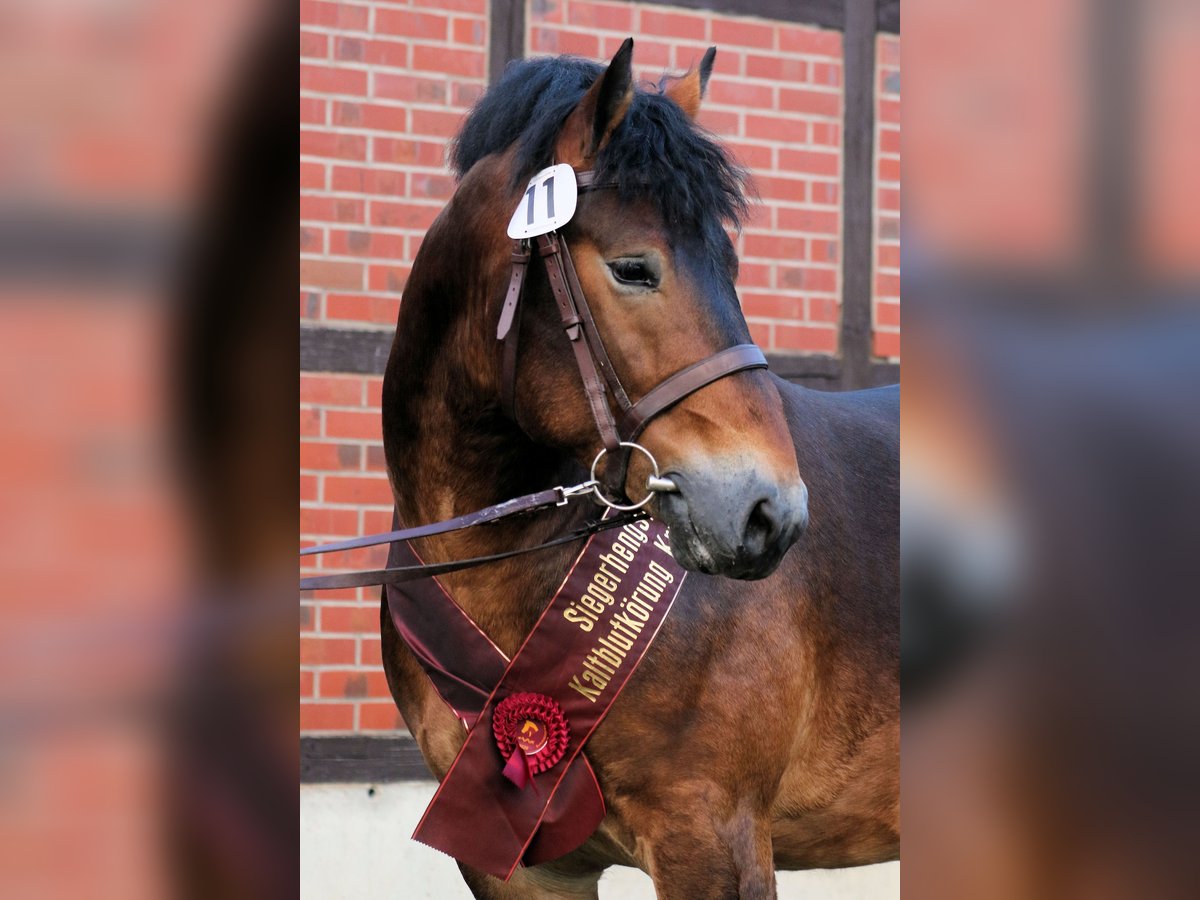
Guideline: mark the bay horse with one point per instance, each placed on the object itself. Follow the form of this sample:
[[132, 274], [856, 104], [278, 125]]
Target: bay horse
[[762, 729]]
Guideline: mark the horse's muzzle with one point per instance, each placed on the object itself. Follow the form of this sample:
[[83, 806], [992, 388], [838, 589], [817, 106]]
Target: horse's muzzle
[[736, 524]]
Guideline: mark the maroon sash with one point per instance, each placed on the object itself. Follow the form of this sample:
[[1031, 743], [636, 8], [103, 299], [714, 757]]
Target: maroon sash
[[521, 790]]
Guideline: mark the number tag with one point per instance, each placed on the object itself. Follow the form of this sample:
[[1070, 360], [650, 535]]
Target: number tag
[[548, 203]]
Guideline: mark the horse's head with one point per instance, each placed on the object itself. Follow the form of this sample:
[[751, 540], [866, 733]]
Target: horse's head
[[657, 268]]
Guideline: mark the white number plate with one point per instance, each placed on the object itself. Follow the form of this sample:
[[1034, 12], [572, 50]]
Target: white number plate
[[548, 203]]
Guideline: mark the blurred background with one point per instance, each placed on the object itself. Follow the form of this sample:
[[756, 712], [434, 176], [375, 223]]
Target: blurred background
[[1051, 436]]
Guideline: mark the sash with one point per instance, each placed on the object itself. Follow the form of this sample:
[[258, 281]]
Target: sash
[[520, 789]]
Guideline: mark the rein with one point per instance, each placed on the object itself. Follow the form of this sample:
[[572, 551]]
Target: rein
[[599, 380]]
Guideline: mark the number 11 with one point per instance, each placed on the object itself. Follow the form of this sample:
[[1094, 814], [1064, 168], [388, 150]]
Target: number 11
[[549, 200]]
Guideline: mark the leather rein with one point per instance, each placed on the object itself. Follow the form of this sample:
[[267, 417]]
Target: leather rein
[[600, 383]]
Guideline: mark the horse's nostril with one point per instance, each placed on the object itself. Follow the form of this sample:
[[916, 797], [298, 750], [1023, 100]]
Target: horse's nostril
[[761, 527]]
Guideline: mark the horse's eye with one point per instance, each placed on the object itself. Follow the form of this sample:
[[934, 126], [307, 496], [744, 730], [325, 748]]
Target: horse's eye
[[634, 272]]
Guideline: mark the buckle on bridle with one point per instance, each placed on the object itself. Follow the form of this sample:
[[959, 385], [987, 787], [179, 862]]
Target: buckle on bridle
[[654, 484]]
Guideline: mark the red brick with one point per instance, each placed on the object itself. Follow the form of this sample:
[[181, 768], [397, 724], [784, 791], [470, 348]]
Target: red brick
[[308, 488], [827, 74], [823, 309], [368, 181], [312, 110], [770, 246], [358, 308], [372, 654], [353, 425], [360, 489], [334, 15], [435, 122], [752, 275], [719, 121], [672, 25], [307, 683], [350, 619], [887, 344], [379, 717], [810, 162], [331, 209], [802, 278], [477, 7], [332, 145], [887, 314], [438, 187], [813, 41], [777, 68], [889, 169], [332, 80], [409, 88], [889, 111], [375, 399], [313, 44], [742, 34], [889, 51], [312, 240], [794, 190], [326, 716], [323, 273], [351, 684], [821, 221], [823, 250], [760, 333], [609, 16], [889, 140], [467, 31], [366, 243], [772, 306], [403, 215], [376, 521], [388, 278], [464, 94], [468, 63], [775, 128], [407, 24], [889, 256], [556, 40], [647, 52], [376, 459], [741, 93], [328, 523], [753, 156], [323, 651], [827, 133], [312, 175], [887, 285], [331, 390], [824, 192], [310, 422], [805, 337], [889, 199], [375, 52], [813, 103], [408, 152], [370, 115]]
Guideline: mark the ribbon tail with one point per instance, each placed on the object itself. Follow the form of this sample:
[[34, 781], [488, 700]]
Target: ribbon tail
[[517, 770]]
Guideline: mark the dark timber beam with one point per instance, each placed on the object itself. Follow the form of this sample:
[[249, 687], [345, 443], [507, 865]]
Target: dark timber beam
[[506, 41], [858, 188]]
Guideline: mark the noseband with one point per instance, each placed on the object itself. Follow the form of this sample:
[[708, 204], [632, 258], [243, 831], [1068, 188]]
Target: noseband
[[596, 370], [599, 379]]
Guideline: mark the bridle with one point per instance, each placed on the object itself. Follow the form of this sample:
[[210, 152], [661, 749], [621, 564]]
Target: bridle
[[599, 379], [595, 368]]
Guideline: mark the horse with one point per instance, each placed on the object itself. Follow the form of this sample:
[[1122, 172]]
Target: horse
[[762, 729]]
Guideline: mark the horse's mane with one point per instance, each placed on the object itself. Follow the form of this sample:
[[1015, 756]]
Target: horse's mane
[[656, 152]]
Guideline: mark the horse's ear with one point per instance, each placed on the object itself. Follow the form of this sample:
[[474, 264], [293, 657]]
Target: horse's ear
[[688, 90], [601, 110]]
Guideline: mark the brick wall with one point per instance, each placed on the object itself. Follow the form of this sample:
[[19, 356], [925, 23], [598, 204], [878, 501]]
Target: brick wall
[[384, 86]]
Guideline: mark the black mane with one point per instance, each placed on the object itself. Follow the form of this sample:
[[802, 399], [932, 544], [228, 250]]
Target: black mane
[[656, 152]]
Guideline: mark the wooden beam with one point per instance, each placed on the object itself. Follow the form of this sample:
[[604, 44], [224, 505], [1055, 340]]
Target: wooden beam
[[361, 760], [506, 40], [858, 188]]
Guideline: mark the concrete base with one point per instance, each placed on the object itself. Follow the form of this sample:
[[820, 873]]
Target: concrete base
[[354, 845]]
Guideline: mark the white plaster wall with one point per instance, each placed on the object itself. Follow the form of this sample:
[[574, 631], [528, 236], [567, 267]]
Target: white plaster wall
[[354, 845]]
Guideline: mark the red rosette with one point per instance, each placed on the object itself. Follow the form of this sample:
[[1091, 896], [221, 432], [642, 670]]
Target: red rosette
[[532, 734]]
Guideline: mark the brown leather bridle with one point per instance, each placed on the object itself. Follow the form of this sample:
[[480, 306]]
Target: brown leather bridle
[[596, 370], [599, 379]]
